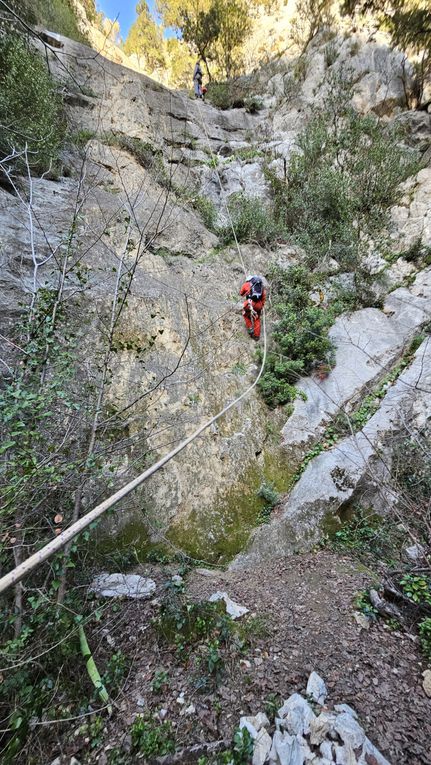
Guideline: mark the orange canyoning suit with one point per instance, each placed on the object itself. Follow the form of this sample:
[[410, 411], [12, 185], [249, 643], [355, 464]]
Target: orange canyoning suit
[[252, 309]]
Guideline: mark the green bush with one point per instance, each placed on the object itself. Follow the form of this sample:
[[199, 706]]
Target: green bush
[[342, 180], [224, 95], [425, 637], [300, 335], [55, 15], [253, 222], [253, 104], [205, 207], [30, 106]]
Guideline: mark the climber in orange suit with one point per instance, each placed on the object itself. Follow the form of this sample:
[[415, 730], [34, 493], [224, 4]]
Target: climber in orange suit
[[254, 292]]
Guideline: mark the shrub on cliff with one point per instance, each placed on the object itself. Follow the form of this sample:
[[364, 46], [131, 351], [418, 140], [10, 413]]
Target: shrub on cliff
[[253, 222], [342, 180], [300, 335], [31, 118]]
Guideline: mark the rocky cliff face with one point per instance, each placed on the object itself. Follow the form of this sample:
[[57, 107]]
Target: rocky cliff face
[[146, 162]]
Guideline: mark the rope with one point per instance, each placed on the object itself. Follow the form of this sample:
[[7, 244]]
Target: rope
[[35, 560], [76, 528], [213, 157]]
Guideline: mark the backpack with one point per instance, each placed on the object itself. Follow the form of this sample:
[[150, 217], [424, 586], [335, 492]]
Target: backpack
[[256, 291]]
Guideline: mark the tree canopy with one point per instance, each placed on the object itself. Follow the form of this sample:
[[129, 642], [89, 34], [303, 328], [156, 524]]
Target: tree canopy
[[145, 39]]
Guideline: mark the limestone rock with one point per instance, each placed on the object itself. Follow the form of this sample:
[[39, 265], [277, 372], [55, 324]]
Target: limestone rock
[[316, 688], [426, 683], [370, 752], [254, 724], [355, 466], [321, 727], [346, 708], [326, 750], [344, 755], [234, 610], [297, 713], [286, 750], [415, 552], [262, 746], [349, 730], [362, 620], [123, 585]]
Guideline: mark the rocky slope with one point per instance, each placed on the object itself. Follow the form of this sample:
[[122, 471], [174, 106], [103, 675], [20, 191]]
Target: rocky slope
[[149, 156]]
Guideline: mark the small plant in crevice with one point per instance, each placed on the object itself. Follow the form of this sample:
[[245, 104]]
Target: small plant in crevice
[[268, 493], [115, 671], [271, 704], [160, 680], [184, 624]]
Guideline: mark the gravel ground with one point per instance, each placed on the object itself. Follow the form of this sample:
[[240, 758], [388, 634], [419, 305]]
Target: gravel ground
[[304, 605]]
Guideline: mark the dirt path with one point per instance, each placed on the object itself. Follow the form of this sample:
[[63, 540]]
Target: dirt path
[[307, 600], [305, 623]]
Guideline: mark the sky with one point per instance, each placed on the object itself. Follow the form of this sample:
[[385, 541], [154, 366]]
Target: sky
[[124, 9], [126, 12]]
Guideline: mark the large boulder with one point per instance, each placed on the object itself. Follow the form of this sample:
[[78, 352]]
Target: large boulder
[[356, 467], [367, 343]]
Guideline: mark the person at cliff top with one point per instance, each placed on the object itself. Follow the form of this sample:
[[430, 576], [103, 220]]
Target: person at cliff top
[[254, 292], [197, 79]]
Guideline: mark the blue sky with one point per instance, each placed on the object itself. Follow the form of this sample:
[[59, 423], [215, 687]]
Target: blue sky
[[124, 9], [126, 12]]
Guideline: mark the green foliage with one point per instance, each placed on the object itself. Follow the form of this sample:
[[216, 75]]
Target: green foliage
[[417, 588], [30, 107], [330, 54], [214, 29], [242, 747], [205, 207], [145, 39], [29, 690], [222, 95], [300, 335], [200, 29], [310, 16], [252, 220], [236, 94], [115, 671], [152, 739], [145, 153], [235, 25], [412, 468], [268, 493], [160, 680], [81, 137], [214, 660], [362, 603], [239, 368], [366, 533], [253, 104], [425, 637], [272, 704], [342, 180], [56, 15], [248, 155], [184, 624]]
